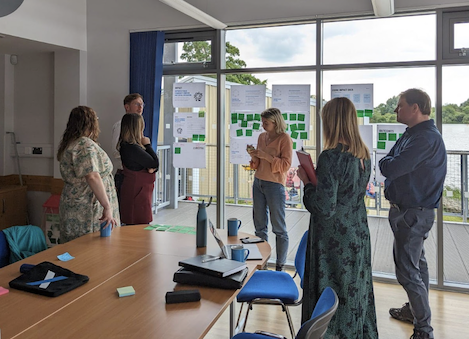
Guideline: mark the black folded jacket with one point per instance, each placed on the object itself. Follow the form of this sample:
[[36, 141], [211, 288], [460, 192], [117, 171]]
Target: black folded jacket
[[68, 280], [231, 282]]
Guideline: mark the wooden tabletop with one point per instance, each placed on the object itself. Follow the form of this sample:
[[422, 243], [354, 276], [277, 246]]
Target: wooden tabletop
[[134, 257]]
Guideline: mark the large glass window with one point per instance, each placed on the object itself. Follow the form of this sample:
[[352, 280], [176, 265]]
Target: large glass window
[[292, 45], [455, 197], [380, 40]]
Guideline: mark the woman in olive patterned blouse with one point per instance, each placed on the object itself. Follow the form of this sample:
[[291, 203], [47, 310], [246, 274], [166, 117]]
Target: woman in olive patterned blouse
[[89, 195], [339, 250]]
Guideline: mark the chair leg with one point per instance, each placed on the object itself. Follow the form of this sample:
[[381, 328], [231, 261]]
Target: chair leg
[[247, 314], [239, 315], [290, 323]]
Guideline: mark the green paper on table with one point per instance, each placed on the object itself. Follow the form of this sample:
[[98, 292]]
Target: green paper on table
[[125, 291]]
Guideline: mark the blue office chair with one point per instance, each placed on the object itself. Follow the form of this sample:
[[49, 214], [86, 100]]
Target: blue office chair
[[4, 250], [314, 328], [274, 288]]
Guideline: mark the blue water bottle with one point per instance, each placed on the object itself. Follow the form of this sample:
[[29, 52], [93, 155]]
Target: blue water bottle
[[202, 224]]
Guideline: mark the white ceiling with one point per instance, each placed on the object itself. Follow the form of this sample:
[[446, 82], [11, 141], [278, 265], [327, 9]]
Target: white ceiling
[[239, 12]]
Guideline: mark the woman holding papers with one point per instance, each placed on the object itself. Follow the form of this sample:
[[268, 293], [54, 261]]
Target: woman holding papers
[[139, 162], [271, 160], [89, 196], [338, 251]]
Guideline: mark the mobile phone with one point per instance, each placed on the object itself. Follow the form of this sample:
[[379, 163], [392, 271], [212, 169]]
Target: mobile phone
[[251, 240]]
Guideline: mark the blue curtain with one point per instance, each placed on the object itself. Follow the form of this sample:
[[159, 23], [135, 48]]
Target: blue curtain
[[146, 72]]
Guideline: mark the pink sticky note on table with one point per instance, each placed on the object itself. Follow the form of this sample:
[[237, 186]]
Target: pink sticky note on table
[[3, 290]]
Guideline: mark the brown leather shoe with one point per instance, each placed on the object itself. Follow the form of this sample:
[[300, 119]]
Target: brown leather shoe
[[403, 314]]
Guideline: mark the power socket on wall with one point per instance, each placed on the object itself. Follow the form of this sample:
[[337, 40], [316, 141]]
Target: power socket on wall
[[33, 150]]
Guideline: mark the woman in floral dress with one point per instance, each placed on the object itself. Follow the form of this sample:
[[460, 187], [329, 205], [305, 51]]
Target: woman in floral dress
[[89, 195], [339, 250]]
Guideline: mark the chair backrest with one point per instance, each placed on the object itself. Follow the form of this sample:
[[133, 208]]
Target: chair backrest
[[4, 250], [316, 326], [24, 241], [300, 257]]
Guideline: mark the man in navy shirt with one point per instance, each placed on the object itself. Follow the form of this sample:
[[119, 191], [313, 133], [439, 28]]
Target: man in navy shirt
[[415, 171]]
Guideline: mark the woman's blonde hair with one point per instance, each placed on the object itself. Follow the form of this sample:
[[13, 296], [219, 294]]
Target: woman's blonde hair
[[132, 126], [274, 115], [340, 125], [82, 122]]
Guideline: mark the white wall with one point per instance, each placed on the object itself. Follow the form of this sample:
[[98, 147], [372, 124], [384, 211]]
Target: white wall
[[57, 22]]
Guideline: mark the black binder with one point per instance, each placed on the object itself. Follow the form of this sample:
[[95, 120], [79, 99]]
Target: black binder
[[232, 282], [48, 279]]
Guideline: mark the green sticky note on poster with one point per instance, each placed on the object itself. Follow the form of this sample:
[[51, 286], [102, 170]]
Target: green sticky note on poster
[[400, 135], [301, 127], [241, 116], [257, 117], [360, 113], [294, 135], [239, 132], [201, 137], [304, 135], [369, 113], [234, 118], [286, 128], [249, 132], [177, 150], [301, 117], [292, 117], [382, 136], [381, 145], [195, 137], [201, 114], [244, 124], [284, 115], [293, 127], [392, 136], [250, 117], [294, 145], [256, 126]]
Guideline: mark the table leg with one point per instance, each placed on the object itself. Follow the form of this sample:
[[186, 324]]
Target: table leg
[[232, 319]]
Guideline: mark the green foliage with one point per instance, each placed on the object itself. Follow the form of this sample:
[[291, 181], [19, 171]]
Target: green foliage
[[200, 51], [452, 113]]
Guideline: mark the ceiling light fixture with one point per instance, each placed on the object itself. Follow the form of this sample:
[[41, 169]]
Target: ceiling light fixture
[[195, 13], [383, 7]]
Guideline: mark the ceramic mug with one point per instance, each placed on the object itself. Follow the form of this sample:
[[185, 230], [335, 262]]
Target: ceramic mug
[[233, 226], [239, 253], [106, 232]]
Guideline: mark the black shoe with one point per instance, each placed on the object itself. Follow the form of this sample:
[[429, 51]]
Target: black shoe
[[420, 335], [403, 314], [279, 268]]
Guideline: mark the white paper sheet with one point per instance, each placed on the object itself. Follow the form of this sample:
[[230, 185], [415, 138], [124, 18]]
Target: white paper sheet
[[189, 155]]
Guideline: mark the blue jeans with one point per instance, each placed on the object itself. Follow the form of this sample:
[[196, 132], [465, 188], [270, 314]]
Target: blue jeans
[[270, 196], [410, 228]]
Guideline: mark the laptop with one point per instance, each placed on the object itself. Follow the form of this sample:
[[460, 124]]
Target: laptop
[[254, 253]]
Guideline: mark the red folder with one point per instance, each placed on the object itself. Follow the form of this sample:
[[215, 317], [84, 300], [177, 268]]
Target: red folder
[[307, 163]]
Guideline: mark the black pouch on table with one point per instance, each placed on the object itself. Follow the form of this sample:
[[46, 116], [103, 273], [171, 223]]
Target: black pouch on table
[[231, 282], [48, 279]]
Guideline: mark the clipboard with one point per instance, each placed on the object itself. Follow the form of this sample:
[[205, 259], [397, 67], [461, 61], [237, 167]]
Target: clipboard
[[307, 163]]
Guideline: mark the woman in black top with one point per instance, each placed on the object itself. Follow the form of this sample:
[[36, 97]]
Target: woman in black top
[[140, 163]]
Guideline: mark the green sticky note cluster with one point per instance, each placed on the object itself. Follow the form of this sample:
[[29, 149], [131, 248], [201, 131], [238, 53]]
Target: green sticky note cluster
[[125, 291], [243, 121]]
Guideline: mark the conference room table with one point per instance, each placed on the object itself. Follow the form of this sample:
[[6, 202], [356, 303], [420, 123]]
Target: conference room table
[[131, 256]]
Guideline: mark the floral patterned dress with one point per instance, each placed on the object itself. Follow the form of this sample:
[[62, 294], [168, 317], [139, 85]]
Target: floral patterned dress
[[339, 250], [80, 210]]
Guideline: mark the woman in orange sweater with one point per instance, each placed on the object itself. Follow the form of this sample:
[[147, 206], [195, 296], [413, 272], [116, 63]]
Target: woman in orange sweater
[[271, 160]]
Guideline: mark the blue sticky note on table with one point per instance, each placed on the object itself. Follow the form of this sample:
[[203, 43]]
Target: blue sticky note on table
[[65, 257], [125, 291]]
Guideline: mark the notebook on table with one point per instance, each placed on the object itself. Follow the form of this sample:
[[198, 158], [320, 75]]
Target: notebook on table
[[254, 253]]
